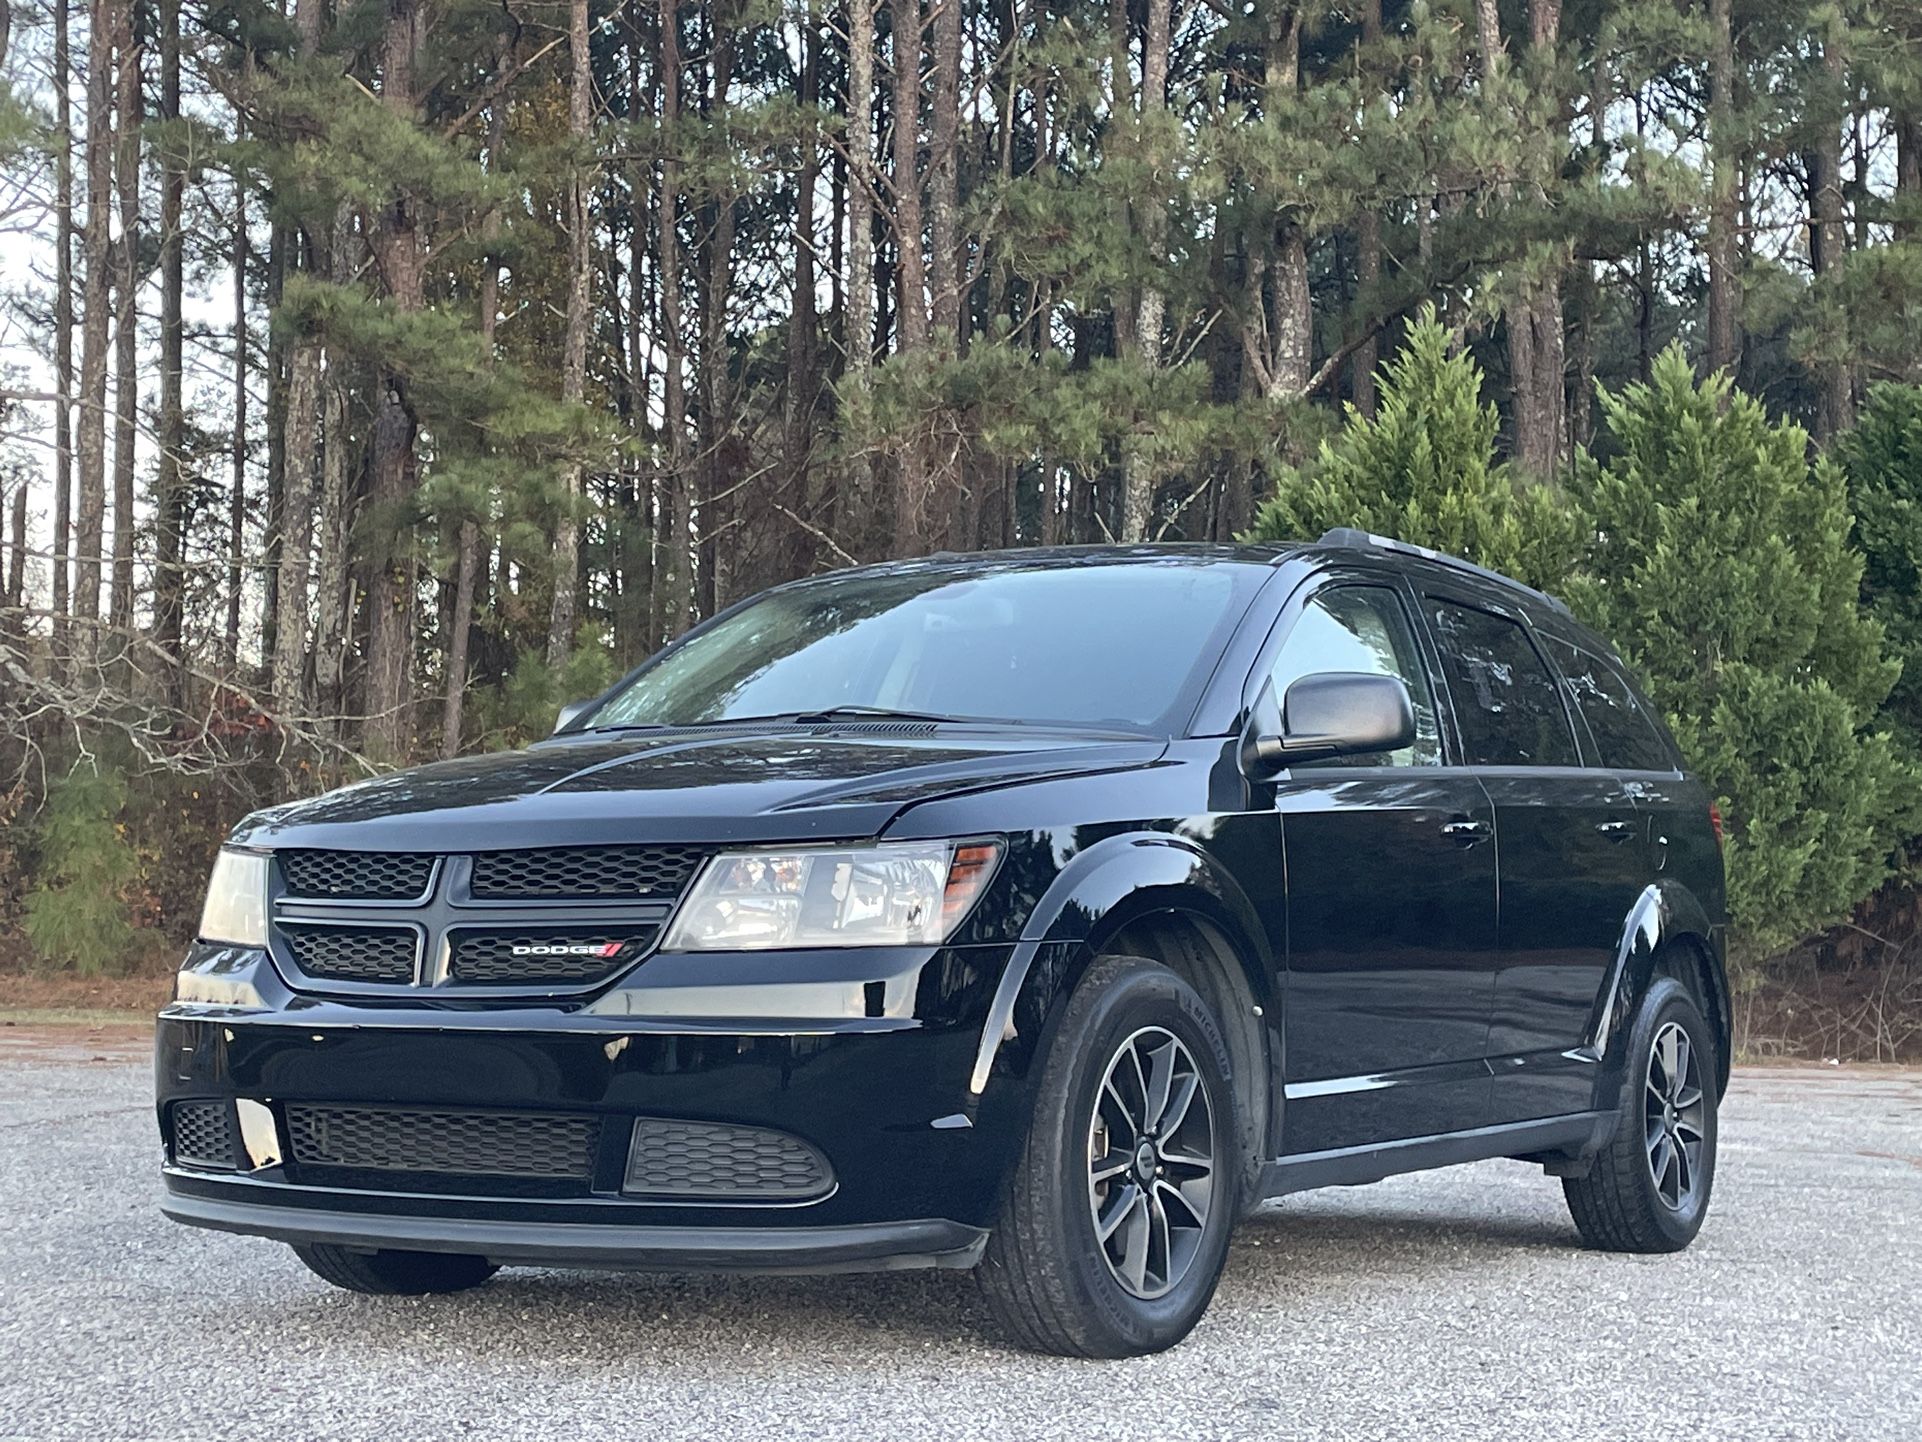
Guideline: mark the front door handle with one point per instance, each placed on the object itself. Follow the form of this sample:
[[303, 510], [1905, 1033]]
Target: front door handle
[[1616, 830], [1467, 832]]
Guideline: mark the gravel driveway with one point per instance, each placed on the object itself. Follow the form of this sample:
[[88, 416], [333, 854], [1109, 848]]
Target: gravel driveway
[[1447, 1304]]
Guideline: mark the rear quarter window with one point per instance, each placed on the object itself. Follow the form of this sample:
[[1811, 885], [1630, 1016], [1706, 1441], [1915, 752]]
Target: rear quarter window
[[1625, 734]]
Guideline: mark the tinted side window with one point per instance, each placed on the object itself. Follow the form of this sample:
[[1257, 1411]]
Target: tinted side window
[[1623, 733], [1507, 704], [1366, 629]]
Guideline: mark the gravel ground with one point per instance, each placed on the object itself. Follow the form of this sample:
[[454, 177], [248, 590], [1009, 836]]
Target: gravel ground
[[1449, 1304]]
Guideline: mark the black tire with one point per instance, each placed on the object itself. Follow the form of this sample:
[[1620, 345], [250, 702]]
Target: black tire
[[395, 1274], [1046, 1274], [1620, 1205]]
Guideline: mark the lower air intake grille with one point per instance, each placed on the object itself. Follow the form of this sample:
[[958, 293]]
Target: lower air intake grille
[[505, 958], [444, 1143], [701, 1159], [356, 875], [354, 953], [575, 871], [203, 1135]]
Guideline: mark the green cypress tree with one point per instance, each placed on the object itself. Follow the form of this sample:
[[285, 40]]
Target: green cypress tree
[[1721, 565], [1882, 459], [1423, 469], [76, 915]]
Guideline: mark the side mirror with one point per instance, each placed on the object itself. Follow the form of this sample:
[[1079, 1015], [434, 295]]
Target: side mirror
[[570, 713], [1331, 713]]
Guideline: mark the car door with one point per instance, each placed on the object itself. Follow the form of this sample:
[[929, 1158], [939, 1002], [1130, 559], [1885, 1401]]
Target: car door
[[1569, 844], [1390, 864]]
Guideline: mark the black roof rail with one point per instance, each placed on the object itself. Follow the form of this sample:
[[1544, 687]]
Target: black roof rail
[[1368, 541]]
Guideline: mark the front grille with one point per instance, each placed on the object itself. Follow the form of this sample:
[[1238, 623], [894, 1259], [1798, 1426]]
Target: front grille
[[356, 875], [394, 1140], [203, 1135], [582, 871], [705, 1159], [487, 958], [354, 953]]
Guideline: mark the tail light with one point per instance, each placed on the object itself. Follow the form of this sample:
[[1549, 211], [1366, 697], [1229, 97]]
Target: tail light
[[1715, 823]]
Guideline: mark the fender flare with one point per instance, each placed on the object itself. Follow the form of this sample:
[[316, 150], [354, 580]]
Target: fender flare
[[1665, 915], [1119, 879]]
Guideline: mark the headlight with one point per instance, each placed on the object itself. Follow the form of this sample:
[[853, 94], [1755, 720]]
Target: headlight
[[236, 909], [905, 893]]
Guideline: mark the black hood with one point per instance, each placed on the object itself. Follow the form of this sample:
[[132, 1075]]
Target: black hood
[[781, 784]]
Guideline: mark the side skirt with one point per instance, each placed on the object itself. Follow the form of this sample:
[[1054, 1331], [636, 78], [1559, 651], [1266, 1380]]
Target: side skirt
[[1552, 1141]]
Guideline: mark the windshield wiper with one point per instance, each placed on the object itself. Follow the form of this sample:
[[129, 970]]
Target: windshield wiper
[[885, 713]]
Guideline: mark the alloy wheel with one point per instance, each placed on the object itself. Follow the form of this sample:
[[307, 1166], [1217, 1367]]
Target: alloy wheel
[[1151, 1162], [1674, 1111]]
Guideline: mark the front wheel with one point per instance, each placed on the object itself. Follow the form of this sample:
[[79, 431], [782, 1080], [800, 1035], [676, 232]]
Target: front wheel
[[1117, 1219], [399, 1274], [1648, 1190]]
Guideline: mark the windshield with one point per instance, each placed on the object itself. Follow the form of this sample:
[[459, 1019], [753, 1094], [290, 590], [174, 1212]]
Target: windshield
[[1100, 643]]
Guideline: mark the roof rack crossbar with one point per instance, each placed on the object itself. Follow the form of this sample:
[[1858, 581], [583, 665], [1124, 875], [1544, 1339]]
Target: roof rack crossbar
[[1367, 540]]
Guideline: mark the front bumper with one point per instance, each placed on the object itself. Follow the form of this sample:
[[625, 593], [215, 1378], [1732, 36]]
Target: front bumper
[[918, 1160], [870, 1247]]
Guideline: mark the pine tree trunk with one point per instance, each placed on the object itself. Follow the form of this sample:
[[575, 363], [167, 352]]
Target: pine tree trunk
[[910, 274], [170, 511], [1137, 481], [952, 525], [62, 541], [127, 123], [1724, 213], [857, 318], [1835, 382], [391, 600], [580, 280], [237, 493], [798, 400], [1367, 355], [95, 302], [673, 591], [299, 451], [332, 603], [720, 458]]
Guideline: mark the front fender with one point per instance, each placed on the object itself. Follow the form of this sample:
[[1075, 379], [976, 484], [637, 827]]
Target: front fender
[[1119, 879]]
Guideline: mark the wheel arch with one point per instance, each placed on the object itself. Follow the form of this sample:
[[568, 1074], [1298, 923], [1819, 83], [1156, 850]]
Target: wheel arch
[[1160, 896], [1668, 932]]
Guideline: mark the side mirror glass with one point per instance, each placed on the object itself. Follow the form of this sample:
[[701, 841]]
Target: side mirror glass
[[569, 714], [1331, 713]]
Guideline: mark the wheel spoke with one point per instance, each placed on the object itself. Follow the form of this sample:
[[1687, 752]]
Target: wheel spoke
[[1109, 1164], [1161, 1078], [1660, 1158], [1160, 1250], [1112, 1094], [1120, 1206], [1678, 1078], [1178, 1104], [1134, 1254], [1192, 1196]]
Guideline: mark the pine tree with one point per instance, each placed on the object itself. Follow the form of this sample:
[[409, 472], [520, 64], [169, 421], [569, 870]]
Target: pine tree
[[1721, 565], [1423, 469], [1882, 461]]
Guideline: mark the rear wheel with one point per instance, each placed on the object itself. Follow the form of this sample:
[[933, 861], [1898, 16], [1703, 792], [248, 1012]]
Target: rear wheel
[[1117, 1219], [1648, 1191], [401, 1274]]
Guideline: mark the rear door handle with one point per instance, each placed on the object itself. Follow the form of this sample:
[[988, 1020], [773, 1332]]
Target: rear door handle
[[1467, 832], [1616, 830]]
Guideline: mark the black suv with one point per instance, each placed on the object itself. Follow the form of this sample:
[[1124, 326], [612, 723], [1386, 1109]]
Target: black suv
[[1040, 912]]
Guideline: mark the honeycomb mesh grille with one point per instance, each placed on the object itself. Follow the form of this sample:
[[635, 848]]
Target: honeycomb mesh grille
[[356, 875], [575, 871], [354, 953], [689, 1159], [487, 958], [447, 1143], [203, 1135]]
